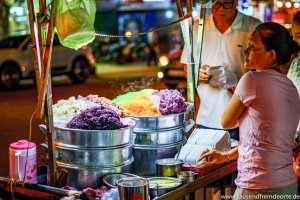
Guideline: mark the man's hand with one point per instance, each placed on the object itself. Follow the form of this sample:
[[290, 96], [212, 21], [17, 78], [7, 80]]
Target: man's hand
[[203, 77], [185, 70]]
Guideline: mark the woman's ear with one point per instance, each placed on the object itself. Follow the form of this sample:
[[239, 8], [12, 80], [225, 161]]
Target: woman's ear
[[272, 56]]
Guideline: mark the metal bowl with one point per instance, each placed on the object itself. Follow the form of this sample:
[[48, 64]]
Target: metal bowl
[[111, 179], [157, 187], [77, 138], [144, 123], [187, 176], [168, 167]]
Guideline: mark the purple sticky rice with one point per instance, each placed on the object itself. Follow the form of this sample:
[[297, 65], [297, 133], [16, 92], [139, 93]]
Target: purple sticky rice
[[96, 118], [171, 101]]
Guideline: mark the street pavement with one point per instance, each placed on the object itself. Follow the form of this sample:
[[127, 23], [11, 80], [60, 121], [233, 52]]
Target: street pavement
[[107, 72]]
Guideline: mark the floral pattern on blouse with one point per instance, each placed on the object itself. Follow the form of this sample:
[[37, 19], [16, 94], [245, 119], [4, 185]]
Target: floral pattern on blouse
[[294, 75], [294, 72]]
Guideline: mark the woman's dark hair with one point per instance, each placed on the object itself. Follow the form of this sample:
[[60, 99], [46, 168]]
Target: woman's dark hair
[[297, 18], [276, 37]]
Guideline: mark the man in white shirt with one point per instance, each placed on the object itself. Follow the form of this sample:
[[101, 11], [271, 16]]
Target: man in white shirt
[[225, 38]]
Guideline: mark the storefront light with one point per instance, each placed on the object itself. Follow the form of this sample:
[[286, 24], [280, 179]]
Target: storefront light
[[169, 14], [128, 34], [296, 5], [163, 61], [17, 10], [279, 4], [288, 4], [160, 75]]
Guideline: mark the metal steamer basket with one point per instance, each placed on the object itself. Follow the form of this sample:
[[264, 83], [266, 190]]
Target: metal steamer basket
[[158, 122], [81, 177], [156, 138], [89, 154]]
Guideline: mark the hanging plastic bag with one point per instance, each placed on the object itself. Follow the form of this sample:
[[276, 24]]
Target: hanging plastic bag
[[224, 78], [74, 22]]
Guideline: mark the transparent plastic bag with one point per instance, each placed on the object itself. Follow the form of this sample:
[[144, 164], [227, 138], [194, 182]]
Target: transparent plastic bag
[[224, 79], [74, 22]]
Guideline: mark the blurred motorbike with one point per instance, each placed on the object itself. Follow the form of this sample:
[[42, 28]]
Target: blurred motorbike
[[126, 51]]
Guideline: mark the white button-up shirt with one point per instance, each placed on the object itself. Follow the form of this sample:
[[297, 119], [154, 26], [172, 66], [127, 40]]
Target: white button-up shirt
[[225, 49]]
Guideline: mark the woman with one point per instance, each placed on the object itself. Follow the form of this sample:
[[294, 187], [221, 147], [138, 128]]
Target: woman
[[294, 75], [266, 105], [294, 70]]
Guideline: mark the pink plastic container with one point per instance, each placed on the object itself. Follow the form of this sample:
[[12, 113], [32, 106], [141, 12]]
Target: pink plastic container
[[17, 160]]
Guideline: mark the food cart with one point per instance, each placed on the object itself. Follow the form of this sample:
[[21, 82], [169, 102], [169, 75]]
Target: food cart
[[42, 36], [39, 191]]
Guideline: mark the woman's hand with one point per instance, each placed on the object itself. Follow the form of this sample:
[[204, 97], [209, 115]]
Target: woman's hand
[[203, 77], [214, 157]]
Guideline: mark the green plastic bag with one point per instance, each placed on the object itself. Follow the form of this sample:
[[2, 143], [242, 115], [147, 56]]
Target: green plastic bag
[[74, 22]]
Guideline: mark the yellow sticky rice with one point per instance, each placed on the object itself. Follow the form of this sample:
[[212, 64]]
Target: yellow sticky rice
[[140, 105]]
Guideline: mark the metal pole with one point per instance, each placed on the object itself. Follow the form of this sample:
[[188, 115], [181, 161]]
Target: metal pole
[[36, 58], [194, 61], [199, 42], [179, 8], [47, 89], [191, 64], [42, 39]]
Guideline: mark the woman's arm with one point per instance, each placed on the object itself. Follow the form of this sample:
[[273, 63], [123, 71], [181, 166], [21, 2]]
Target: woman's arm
[[218, 157], [232, 112]]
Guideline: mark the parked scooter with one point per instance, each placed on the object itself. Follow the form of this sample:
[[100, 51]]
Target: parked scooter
[[100, 48], [126, 52]]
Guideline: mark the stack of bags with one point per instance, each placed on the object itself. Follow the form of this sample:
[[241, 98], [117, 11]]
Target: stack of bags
[[201, 140]]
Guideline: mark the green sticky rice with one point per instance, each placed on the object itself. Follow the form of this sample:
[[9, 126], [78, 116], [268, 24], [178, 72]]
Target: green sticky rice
[[125, 97]]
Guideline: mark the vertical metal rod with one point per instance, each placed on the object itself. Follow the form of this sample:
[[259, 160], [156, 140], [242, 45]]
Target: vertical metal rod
[[191, 64], [32, 22], [199, 43], [40, 37], [42, 56], [50, 130], [187, 32], [179, 8], [189, 6], [42, 6], [46, 75]]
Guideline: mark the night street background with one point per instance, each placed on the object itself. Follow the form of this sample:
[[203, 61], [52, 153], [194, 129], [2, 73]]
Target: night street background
[[16, 107]]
